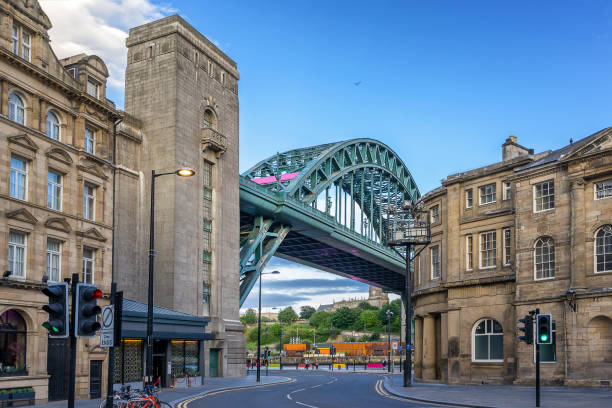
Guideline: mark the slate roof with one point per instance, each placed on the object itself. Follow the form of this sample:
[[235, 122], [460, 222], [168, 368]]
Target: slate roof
[[130, 305]]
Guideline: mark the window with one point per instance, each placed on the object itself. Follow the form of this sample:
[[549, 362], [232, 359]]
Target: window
[[507, 191], [74, 72], [17, 254], [13, 333], [90, 141], [603, 189], [89, 202], [548, 352], [544, 196], [54, 191], [435, 214], [469, 253], [54, 257], [184, 358], [16, 109], [488, 194], [488, 249], [15, 38], [206, 214], [53, 126], [92, 88], [19, 178], [544, 258], [88, 265], [26, 45], [435, 262], [488, 341], [507, 247], [603, 249], [469, 200]]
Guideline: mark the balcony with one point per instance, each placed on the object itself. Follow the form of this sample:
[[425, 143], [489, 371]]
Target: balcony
[[213, 140]]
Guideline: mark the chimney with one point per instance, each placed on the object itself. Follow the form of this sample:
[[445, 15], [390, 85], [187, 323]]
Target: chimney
[[511, 149]]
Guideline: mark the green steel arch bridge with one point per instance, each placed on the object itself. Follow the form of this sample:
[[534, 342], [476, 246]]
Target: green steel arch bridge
[[327, 207]]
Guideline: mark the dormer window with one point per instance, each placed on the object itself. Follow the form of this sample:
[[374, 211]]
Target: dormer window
[[93, 88], [74, 72], [22, 48]]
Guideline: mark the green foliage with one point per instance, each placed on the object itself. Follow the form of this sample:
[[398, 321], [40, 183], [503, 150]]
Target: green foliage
[[306, 312], [375, 336], [396, 307], [345, 318], [287, 315], [321, 320], [368, 319], [366, 306], [250, 317], [365, 337]]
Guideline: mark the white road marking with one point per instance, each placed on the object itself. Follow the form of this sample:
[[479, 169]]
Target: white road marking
[[306, 405]]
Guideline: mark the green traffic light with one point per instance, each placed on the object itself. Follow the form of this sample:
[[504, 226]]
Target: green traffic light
[[49, 327], [544, 337]]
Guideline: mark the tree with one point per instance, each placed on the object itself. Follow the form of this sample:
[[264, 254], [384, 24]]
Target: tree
[[321, 320], [306, 312], [368, 319], [249, 317], [367, 306], [345, 318], [287, 315], [395, 306]]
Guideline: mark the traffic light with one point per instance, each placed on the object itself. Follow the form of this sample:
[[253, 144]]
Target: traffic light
[[332, 350], [57, 325], [86, 323], [527, 329], [544, 329]]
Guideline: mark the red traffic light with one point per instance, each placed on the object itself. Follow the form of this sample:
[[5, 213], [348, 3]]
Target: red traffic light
[[92, 294]]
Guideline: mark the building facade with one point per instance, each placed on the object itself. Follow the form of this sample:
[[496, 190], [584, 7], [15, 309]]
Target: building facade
[[531, 231], [55, 195]]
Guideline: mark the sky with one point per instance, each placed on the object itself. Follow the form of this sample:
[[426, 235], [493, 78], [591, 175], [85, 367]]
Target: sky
[[443, 83]]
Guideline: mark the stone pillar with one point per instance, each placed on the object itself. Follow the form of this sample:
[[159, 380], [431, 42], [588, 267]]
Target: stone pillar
[[429, 348], [4, 102], [418, 347], [577, 234]]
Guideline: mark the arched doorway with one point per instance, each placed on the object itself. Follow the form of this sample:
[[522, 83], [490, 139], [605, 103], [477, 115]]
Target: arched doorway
[[12, 343], [599, 333]]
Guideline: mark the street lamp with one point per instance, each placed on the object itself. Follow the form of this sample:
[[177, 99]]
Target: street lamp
[[259, 324], [182, 172], [389, 314]]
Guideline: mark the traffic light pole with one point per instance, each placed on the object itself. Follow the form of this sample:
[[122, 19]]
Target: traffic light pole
[[537, 366], [408, 314], [73, 341], [111, 357]]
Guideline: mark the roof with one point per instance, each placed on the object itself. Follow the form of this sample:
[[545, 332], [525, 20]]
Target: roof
[[136, 308]]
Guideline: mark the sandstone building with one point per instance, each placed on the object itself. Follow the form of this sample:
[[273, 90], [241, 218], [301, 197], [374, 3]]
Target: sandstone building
[[532, 231], [376, 297]]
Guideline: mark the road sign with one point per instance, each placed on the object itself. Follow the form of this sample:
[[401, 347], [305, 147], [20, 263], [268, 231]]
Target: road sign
[[395, 346], [107, 331]]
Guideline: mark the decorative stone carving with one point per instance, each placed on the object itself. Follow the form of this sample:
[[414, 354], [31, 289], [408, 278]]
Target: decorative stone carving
[[58, 223], [92, 233], [24, 141], [22, 214]]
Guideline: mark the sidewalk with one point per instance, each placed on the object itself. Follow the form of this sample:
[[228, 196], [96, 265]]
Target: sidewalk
[[502, 396], [175, 395]]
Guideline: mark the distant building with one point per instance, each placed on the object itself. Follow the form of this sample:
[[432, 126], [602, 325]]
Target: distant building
[[376, 297]]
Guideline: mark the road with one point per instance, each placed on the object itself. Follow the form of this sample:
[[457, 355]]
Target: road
[[309, 390]]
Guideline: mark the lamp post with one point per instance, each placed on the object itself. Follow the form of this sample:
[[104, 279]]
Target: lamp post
[[389, 314], [259, 325], [182, 172]]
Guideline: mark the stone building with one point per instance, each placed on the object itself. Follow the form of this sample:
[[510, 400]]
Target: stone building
[[376, 297], [530, 231], [56, 128]]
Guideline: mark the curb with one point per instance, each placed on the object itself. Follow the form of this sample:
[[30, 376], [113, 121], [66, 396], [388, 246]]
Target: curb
[[175, 402], [446, 403]]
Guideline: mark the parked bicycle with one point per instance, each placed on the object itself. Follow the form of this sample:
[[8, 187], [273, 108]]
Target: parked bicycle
[[128, 398]]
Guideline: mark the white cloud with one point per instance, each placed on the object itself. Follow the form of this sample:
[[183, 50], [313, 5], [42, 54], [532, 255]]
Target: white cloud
[[99, 28]]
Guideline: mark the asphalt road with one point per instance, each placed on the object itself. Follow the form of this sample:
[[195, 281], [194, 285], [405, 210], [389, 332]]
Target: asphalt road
[[309, 390]]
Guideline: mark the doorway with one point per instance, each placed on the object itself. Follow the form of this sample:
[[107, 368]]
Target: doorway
[[95, 379], [160, 349], [214, 363]]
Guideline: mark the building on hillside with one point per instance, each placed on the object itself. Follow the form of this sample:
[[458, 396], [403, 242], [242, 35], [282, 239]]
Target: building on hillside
[[55, 196], [376, 297], [531, 231]]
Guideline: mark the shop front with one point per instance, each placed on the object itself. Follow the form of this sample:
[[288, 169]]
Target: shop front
[[178, 347]]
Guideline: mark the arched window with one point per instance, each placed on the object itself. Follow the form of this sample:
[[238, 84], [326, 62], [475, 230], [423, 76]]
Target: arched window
[[544, 258], [53, 126], [603, 249], [12, 343], [16, 108], [209, 120], [487, 341]]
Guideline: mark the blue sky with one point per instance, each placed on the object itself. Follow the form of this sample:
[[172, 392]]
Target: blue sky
[[443, 83]]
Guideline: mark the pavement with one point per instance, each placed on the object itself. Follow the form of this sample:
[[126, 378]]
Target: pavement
[[500, 396], [175, 395]]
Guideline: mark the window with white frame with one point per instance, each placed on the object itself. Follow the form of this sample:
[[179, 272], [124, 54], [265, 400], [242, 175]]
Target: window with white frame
[[15, 38], [26, 45], [488, 194], [548, 352], [488, 249], [435, 262], [16, 109], [603, 189], [53, 126], [90, 140], [603, 249], [469, 252], [544, 196], [17, 254], [507, 246], [74, 72], [469, 199], [19, 178], [93, 88], [488, 341], [544, 258], [435, 213], [88, 265], [54, 190], [89, 201], [507, 191], [54, 260]]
